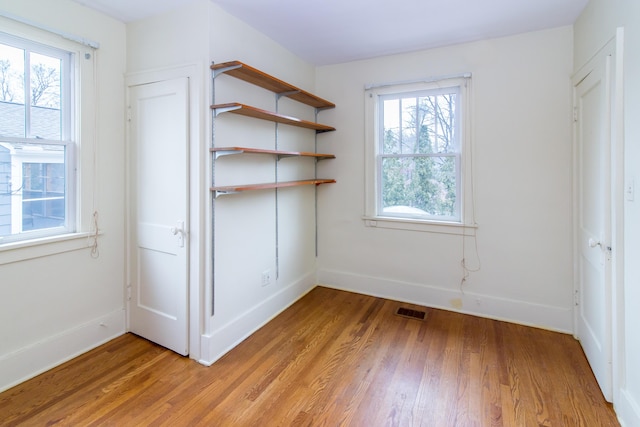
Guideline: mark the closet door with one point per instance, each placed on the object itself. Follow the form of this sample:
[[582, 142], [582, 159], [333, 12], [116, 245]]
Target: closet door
[[158, 185], [593, 217]]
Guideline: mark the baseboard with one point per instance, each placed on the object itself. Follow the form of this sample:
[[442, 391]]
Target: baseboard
[[225, 338], [541, 316], [37, 358], [627, 409]]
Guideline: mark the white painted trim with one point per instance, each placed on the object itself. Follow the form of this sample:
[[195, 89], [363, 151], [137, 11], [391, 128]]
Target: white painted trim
[[627, 409], [45, 246], [617, 217], [464, 174], [77, 39], [613, 48], [37, 358], [226, 337], [455, 228], [557, 319], [195, 72]]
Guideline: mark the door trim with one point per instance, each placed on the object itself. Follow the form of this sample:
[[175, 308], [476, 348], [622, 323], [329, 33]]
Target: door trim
[[197, 187], [613, 48]]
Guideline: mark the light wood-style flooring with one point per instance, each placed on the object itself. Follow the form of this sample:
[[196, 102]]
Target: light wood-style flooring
[[332, 359]]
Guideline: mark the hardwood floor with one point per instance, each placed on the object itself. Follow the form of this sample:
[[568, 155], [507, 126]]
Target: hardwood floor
[[334, 358]]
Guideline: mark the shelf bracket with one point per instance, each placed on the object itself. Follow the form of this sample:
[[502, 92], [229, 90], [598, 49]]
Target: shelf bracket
[[218, 154], [220, 110], [283, 156], [218, 193], [219, 71], [289, 93]]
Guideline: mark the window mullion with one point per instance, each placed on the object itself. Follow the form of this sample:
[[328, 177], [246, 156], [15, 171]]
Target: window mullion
[[417, 130], [27, 94], [400, 128]]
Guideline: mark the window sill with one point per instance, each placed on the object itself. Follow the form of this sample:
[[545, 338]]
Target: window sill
[[422, 226], [45, 246]]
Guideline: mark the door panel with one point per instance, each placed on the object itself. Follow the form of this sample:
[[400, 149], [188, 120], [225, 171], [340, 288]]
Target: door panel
[[159, 210], [593, 216]]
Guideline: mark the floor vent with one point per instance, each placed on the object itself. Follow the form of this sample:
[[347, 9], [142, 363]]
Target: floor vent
[[412, 314]]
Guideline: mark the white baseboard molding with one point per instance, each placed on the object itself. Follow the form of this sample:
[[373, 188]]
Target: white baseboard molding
[[541, 316], [39, 357], [627, 409], [225, 338]]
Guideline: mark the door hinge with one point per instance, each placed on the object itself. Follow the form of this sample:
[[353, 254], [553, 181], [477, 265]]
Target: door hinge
[[129, 293], [129, 114], [576, 298], [575, 114]]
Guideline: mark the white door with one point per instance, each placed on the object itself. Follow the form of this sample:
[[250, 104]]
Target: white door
[[158, 182], [592, 91]]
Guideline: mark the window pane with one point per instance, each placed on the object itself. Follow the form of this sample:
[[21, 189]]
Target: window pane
[[12, 108], [419, 186], [5, 190], [444, 110], [409, 121], [391, 126], [36, 140], [419, 124], [45, 90], [32, 187]]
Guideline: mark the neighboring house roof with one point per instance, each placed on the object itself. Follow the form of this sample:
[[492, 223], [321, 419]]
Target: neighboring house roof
[[45, 122]]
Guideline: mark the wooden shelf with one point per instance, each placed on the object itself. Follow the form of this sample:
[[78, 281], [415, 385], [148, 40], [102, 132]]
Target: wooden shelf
[[257, 113], [224, 151], [254, 76], [230, 189]]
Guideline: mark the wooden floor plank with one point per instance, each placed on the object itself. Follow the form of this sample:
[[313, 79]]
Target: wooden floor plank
[[332, 359]]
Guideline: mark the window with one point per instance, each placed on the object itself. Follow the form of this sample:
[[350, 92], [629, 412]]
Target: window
[[37, 182], [416, 145]]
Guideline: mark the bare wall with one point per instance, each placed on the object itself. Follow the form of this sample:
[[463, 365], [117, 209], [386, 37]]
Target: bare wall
[[59, 301], [521, 139]]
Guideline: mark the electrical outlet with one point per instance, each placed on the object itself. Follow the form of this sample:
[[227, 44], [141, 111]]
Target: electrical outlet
[[266, 277]]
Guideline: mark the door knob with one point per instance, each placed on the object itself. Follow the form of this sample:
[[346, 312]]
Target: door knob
[[178, 230], [593, 243]]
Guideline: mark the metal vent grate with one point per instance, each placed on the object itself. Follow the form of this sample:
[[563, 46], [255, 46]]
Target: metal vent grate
[[412, 314]]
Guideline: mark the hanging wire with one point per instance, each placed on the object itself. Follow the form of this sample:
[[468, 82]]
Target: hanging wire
[[95, 251], [466, 270]]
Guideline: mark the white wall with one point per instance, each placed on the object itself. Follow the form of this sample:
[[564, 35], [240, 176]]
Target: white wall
[[593, 29], [521, 137], [245, 224], [53, 307]]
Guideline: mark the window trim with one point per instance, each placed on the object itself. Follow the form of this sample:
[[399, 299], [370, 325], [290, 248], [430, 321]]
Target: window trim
[[82, 159], [67, 136], [373, 216]]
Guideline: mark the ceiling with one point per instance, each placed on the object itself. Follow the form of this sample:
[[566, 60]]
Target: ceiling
[[334, 31]]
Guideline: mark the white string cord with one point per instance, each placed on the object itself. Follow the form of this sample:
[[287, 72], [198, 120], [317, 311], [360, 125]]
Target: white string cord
[[95, 251], [466, 270]]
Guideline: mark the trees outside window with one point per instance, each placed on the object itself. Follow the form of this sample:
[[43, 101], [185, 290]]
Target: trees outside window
[[417, 167], [419, 154]]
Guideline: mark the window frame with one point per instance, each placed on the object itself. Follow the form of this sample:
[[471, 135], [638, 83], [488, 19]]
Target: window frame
[[80, 152], [66, 140], [461, 224]]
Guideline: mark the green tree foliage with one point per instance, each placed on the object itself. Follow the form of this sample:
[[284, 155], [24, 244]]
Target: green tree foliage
[[418, 162]]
